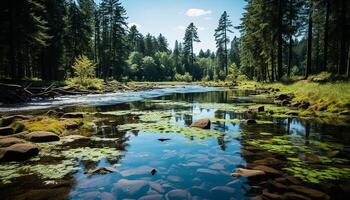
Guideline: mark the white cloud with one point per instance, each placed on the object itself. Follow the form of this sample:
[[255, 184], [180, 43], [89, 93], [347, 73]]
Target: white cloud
[[138, 26], [195, 12], [208, 18]]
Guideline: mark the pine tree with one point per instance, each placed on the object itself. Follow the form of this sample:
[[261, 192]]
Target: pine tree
[[222, 38], [191, 36]]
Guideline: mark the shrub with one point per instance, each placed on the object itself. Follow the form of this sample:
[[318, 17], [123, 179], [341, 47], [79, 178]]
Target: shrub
[[84, 75], [186, 77]]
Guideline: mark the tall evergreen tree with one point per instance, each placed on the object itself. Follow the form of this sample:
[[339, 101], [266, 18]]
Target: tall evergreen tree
[[191, 36], [222, 38]]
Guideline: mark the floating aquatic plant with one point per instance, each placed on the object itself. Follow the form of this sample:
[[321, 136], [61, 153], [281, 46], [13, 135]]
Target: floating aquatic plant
[[91, 154]]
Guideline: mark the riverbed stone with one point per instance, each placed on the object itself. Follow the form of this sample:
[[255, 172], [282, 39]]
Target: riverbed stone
[[41, 194], [207, 172], [131, 188], [314, 194], [139, 171], [73, 115], [201, 123], [6, 131], [42, 136], [250, 121], [16, 152], [102, 170], [6, 142], [178, 194], [247, 172], [222, 192], [152, 197], [294, 196], [72, 125], [77, 138], [199, 191]]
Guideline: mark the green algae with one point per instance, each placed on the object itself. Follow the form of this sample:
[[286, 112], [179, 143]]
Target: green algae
[[169, 127], [91, 154], [55, 171], [9, 171], [316, 176], [224, 120]]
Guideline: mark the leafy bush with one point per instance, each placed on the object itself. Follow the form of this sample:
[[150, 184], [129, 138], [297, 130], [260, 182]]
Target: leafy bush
[[84, 75], [186, 77]]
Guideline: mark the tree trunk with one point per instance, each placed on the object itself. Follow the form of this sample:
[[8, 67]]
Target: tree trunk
[[326, 27], [309, 45], [290, 47], [12, 37], [343, 46], [272, 66], [279, 41]]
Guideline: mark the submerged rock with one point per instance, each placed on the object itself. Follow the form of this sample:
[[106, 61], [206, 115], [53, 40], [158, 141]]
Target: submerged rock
[[152, 197], [222, 192], [247, 172], [6, 142], [178, 194], [18, 152], [201, 123], [153, 172], [42, 136], [131, 188], [102, 170], [164, 139]]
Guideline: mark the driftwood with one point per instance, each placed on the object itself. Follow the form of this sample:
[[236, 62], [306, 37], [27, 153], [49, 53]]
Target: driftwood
[[11, 93]]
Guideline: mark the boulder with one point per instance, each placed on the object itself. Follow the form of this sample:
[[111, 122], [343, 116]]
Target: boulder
[[73, 115], [250, 121], [247, 172], [201, 123], [292, 113], [6, 131], [54, 113], [285, 103], [16, 152], [272, 196], [294, 196], [178, 194], [6, 121], [131, 188], [72, 125], [314, 194], [6, 142], [282, 97], [152, 197], [261, 109], [42, 136], [304, 105]]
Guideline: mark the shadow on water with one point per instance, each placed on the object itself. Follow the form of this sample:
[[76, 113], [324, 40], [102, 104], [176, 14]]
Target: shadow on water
[[186, 166]]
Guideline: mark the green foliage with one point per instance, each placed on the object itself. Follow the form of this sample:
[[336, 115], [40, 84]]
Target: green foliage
[[84, 71], [186, 77]]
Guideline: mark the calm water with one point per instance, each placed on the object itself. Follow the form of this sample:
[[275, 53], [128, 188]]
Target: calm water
[[187, 167]]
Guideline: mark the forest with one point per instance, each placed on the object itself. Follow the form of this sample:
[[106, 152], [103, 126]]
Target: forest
[[42, 39]]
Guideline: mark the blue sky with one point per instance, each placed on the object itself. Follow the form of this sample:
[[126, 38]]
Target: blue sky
[[171, 17]]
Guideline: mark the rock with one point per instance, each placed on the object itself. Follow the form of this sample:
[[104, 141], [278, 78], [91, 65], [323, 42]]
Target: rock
[[42, 136], [73, 115], [43, 194], [304, 105], [293, 180], [153, 172], [267, 169], [54, 113], [157, 187], [292, 113], [294, 196], [345, 112], [282, 97], [6, 131], [217, 166], [102, 170], [247, 172], [199, 191], [152, 197], [234, 183], [267, 161], [164, 139], [285, 102], [314, 194], [21, 151], [72, 125], [77, 138], [6, 121], [331, 153], [277, 185], [6, 142], [136, 172], [222, 192], [131, 188], [175, 179], [272, 196], [178, 194], [207, 172], [201, 123], [261, 109], [250, 121]]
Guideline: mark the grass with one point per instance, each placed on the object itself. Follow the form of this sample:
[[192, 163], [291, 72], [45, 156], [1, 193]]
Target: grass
[[332, 96]]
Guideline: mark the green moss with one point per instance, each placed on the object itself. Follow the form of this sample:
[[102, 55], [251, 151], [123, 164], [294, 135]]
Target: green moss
[[55, 171], [9, 171], [91, 154], [265, 134], [225, 120]]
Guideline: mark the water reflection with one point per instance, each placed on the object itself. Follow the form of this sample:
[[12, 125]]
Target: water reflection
[[186, 167]]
